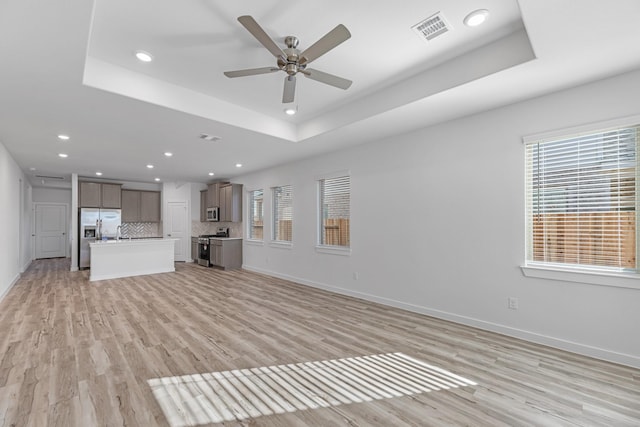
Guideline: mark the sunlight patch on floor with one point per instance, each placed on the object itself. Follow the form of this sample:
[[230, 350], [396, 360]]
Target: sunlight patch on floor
[[192, 400]]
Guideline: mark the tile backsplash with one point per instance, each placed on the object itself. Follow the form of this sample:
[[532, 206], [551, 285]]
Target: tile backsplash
[[141, 229], [198, 228], [154, 229]]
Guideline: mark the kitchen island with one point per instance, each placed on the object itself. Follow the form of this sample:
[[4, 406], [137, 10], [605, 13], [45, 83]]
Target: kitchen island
[[112, 259]]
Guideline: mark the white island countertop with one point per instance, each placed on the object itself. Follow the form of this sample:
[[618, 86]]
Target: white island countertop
[[111, 259]]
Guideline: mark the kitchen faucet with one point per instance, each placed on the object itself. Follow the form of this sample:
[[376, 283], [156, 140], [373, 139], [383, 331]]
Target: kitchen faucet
[[119, 232]]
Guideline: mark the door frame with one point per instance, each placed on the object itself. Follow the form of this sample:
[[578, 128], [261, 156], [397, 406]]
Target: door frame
[[187, 228], [34, 219]]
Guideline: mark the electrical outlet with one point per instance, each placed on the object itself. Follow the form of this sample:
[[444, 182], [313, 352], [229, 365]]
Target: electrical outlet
[[512, 303], [355, 275]]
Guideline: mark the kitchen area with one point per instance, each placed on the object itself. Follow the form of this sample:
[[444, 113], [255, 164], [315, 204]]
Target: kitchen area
[[122, 232], [216, 238]]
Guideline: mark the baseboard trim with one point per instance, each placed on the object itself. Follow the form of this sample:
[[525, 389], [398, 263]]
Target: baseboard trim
[[15, 280], [571, 346], [24, 267]]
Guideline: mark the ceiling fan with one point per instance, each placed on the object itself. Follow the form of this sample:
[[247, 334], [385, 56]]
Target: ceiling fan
[[292, 61]]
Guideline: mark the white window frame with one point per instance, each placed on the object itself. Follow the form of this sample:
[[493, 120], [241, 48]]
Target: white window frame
[[582, 274], [250, 199], [320, 247], [274, 217]]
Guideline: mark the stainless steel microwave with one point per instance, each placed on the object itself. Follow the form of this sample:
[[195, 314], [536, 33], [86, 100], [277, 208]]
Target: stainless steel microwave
[[213, 214]]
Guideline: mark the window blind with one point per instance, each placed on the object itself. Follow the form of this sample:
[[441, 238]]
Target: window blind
[[282, 213], [581, 200], [335, 201], [256, 213]]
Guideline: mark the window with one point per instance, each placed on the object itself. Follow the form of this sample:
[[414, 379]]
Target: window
[[282, 213], [335, 195], [581, 200], [256, 214]]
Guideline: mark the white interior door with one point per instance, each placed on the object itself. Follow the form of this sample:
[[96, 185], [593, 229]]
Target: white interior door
[[177, 228], [51, 231]]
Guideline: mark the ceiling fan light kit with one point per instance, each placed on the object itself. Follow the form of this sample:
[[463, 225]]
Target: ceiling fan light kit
[[292, 61]]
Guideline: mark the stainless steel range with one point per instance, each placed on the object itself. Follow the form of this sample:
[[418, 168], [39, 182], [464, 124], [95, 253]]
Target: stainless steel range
[[203, 249]]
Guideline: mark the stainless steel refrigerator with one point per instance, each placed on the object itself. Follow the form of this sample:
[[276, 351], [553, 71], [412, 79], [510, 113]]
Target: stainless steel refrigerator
[[95, 224]]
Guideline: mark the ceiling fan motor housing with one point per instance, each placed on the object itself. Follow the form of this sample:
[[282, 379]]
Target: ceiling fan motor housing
[[291, 60], [291, 66]]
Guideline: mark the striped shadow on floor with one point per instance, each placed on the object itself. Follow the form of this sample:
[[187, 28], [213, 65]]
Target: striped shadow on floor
[[192, 400]]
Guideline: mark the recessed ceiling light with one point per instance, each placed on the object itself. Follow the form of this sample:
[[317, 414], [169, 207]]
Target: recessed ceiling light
[[290, 111], [238, 165], [156, 179], [144, 56], [476, 17], [211, 174], [150, 166], [63, 137], [32, 169], [63, 155], [168, 154], [99, 173]]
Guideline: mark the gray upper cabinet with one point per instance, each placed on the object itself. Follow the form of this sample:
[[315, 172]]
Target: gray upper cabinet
[[111, 196], [150, 206], [90, 195], [203, 205], [130, 206], [99, 195], [140, 206], [213, 195], [231, 203]]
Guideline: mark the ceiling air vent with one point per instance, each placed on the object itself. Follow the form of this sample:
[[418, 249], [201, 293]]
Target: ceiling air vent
[[211, 138], [431, 27], [50, 177]]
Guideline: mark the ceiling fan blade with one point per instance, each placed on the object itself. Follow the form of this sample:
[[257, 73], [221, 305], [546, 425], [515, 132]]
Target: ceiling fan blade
[[289, 89], [256, 30], [327, 78], [251, 72], [330, 40]]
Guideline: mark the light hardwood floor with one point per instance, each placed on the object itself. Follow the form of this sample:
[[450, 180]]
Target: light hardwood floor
[[74, 353]]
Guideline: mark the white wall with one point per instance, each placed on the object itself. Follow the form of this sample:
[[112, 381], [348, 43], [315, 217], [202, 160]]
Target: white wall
[[52, 195], [14, 213], [438, 226], [195, 200]]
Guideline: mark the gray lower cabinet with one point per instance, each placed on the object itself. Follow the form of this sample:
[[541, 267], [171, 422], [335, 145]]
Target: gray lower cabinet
[[194, 249], [225, 253]]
